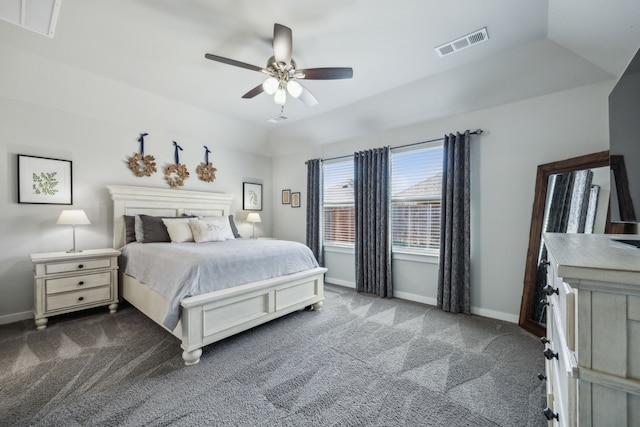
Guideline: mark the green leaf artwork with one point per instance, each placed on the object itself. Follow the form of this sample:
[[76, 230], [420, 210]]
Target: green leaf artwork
[[45, 183], [253, 197]]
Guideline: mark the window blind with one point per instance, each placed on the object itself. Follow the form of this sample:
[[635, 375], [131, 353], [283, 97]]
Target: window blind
[[337, 203], [416, 188]]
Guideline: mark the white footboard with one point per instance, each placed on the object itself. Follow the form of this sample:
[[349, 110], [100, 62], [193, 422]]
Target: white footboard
[[211, 317]]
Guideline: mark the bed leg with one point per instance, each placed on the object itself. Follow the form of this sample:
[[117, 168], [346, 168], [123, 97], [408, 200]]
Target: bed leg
[[191, 357], [317, 306]]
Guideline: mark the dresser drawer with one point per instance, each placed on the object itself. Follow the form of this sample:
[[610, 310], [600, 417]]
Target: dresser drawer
[[65, 267], [563, 304], [78, 298], [72, 283]]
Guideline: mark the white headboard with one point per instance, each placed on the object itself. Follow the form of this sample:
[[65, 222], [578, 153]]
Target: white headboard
[[129, 200]]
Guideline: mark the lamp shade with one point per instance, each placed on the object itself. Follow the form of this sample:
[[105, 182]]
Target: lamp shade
[[254, 217], [73, 217]]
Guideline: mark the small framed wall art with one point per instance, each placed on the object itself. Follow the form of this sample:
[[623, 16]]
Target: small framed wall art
[[286, 197], [295, 200], [42, 180], [251, 196]]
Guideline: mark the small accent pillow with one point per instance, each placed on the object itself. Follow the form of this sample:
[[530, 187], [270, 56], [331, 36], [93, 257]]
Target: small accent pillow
[[153, 229], [211, 229], [179, 229], [234, 229], [130, 228]]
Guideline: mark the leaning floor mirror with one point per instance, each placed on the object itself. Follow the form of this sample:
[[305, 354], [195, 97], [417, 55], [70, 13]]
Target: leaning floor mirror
[[571, 196]]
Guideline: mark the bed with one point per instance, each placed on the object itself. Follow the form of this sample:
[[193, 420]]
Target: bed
[[212, 316]]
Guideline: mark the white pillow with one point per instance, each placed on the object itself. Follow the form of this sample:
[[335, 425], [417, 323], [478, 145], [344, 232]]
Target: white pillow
[[179, 229], [211, 229], [138, 229]]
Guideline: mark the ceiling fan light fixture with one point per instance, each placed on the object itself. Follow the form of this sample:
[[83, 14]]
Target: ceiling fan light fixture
[[294, 88], [270, 85], [280, 96]]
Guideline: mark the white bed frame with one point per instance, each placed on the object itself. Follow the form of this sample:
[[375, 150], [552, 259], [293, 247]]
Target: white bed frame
[[210, 317]]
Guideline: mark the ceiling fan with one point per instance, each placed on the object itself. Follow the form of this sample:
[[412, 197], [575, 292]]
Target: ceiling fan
[[283, 72]]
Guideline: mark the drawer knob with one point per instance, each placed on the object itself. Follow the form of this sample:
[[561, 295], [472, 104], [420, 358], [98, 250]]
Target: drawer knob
[[544, 302], [545, 340], [549, 354], [81, 299], [545, 263], [542, 376], [81, 266], [550, 290], [549, 414], [81, 283]]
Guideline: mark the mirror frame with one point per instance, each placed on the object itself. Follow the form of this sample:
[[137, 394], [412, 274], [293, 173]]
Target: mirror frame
[[589, 161]]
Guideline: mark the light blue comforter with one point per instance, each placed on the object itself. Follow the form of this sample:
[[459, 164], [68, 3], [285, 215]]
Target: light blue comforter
[[179, 270]]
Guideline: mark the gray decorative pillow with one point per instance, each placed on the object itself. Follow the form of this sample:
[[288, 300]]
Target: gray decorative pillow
[[234, 229], [130, 228], [153, 229]]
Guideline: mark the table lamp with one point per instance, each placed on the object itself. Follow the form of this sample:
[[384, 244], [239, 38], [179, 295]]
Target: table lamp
[[73, 217], [254, 217]]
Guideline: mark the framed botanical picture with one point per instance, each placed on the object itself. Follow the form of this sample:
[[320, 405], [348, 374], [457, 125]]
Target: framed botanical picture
[[43, 180], [251, 196], [286, 197], [295, 200]]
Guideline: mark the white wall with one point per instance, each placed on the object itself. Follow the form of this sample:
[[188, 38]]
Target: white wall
[[517, 138], [50, 110]]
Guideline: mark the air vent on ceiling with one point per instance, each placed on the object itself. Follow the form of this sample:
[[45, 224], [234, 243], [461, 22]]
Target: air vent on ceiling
[[35, 15], [463, 42], [278, 118]]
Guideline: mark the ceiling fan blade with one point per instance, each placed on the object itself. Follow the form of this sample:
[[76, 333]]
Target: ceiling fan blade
[[232, 62], [307, 98], [325, 73], [282, 43], [253, 92]]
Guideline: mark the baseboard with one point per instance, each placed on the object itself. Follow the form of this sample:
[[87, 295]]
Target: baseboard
[[415, 298], [16, 317], [340, 282], [499, 315]]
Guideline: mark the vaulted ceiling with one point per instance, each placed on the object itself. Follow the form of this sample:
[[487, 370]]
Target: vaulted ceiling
[[534, 47]]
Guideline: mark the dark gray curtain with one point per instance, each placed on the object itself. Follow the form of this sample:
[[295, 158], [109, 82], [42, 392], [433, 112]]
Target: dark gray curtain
[[314, 208], [454, 281], [372, 222]]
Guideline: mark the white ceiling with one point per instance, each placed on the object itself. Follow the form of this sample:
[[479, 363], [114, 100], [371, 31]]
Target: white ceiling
[[535, 47]]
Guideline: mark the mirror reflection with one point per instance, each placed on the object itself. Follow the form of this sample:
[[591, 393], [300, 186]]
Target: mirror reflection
[[576, 202]]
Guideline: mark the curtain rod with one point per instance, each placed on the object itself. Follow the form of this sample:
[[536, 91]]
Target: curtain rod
[[475, 132]]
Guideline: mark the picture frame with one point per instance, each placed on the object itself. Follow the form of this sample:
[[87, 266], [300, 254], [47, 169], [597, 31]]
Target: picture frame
[[295, 199], [286, 197], [43, 180], [251, 196]]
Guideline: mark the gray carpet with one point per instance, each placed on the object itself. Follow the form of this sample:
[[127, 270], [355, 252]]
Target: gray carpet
[[361, 361]]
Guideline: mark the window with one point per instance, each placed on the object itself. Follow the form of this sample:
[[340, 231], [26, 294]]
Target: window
[[416, 188], [337, 203]]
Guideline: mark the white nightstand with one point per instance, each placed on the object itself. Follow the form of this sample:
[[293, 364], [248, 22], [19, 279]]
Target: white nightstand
[[65, 282]]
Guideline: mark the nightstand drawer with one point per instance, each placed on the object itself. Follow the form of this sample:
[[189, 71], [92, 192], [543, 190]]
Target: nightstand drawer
[[78, 298], [64, 267], [64, 284]]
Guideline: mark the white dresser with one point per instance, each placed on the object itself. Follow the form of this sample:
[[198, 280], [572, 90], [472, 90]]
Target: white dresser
[[593, 331]]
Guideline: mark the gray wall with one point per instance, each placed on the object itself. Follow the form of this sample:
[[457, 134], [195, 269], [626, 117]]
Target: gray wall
[[517, 138]]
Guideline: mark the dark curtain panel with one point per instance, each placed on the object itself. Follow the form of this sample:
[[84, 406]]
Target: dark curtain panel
[[454, 281], [373, 243], [314, 208]]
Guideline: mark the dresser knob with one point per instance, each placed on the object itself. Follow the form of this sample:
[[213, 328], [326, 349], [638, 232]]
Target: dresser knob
[[549, 414], [80, 283], [81, 266], [545, 263], [550, 290], [549, 354], [545, 340], [81, 299], [544, 302], [542, 376]]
